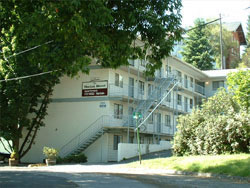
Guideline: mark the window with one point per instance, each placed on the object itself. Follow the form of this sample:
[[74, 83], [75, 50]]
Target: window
[[168, 120], [143, 63], [168, 69], [131, 62], [168, 99], [191, 103], [150, 89], [118, 111], [117, 140], [179, 99], [118, 80], [151, 119], [141, 87], [186, 81], [179, 76], [191, 82], [218, 84]]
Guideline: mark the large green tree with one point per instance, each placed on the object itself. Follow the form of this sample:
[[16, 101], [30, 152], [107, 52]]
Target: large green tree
[[70, 34], [197, 50], [239, 85]]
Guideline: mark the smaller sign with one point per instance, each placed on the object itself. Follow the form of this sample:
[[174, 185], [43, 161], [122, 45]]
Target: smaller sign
[[102, 105], [137, 115]]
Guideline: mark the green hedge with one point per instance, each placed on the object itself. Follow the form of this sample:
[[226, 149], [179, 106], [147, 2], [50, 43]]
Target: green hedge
[[79, 158], [220, 126]]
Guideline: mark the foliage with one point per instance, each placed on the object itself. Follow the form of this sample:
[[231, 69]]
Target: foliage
[[239, 85], [197, 50], [70, 35], [246, 55], [234, 165], [14, 155], [79, 158], [213, 34], [245, 62], [220, 126], [50, 153]]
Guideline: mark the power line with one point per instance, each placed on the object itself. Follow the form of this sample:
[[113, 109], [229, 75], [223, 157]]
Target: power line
[[28, 76], [202, 25], [28, 49]]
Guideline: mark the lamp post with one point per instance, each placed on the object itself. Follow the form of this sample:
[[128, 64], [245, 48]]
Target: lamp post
[[137, 116]]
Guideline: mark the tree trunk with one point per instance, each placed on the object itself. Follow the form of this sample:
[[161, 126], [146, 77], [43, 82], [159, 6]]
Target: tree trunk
[[15, 143]]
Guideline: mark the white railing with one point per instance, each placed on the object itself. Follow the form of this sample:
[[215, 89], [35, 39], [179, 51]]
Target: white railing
[[105, 121], [127, 91], [92, 130]]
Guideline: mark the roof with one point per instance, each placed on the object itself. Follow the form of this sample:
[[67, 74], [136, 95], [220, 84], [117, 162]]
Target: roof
[[236, 27], [190, 66], [221, 73], [232, 26]]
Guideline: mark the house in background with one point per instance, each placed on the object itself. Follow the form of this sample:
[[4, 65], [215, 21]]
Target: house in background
[[94, 113], [237, 36]]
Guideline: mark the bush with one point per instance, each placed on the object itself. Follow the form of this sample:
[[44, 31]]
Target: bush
[[220, 126], [79, 158], [50, 153]]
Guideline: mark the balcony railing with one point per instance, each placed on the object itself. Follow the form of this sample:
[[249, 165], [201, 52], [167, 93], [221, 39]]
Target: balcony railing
[[199, 89]]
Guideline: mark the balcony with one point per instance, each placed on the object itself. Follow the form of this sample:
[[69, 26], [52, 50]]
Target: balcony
[[126, 91], [154, 127], [199, 89]]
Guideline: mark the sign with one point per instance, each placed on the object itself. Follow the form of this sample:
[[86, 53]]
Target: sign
[[137, 115], [102, 105], [95, 88]]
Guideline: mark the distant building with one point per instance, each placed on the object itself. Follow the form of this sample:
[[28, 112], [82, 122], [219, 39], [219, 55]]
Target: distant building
[[239, 37]]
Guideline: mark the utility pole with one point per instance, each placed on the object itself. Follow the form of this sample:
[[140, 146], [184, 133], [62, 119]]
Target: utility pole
[[221, 49]]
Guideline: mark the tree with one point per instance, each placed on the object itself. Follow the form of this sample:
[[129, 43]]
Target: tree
[[239, 85], [197, 50], [220, 126], [246, 55], [69, 35], [213, 34]]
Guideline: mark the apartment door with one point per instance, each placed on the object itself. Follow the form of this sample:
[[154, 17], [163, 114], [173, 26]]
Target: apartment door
[[131, 87], [186, 104], [131, 121], [158, 122]]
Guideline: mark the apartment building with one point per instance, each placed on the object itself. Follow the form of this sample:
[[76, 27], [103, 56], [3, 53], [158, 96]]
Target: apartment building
[[94, 113]]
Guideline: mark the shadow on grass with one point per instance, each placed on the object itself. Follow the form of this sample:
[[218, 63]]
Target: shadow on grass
[[233, 167]]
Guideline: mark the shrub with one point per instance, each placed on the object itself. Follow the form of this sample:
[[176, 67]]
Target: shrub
[[50, 153], [79, 158], [220, 126]]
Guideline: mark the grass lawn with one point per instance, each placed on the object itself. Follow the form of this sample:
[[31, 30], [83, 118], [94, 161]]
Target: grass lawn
[[235, 165]]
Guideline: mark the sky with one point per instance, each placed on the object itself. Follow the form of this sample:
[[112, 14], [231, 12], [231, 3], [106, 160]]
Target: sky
[[231, 11]]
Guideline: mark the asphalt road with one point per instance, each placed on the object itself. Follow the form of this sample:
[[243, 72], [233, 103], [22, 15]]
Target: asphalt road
[[17, 179], [105, 176]]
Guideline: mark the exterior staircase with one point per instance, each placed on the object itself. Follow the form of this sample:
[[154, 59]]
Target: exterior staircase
[[162, 84], [85, 138]]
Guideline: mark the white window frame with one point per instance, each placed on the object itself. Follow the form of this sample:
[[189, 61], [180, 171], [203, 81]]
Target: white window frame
[[118, 111], [118, 80]]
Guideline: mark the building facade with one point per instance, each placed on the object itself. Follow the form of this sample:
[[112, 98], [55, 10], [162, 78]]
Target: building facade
[[94, 113]]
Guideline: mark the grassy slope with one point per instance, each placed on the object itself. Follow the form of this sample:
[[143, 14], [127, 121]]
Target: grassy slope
[[235, 165]]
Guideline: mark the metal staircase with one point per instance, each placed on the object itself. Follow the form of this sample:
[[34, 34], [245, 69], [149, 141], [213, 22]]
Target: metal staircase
[[162, 85], [85, 138]]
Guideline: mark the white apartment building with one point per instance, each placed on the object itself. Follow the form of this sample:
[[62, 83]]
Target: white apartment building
[[93, 113]]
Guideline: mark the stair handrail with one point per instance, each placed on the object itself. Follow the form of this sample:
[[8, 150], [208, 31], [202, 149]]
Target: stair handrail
[[153, 94], [78, 135]]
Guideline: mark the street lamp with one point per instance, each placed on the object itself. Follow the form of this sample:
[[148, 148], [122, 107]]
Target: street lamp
[[137, 116]]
